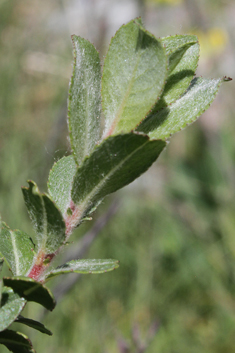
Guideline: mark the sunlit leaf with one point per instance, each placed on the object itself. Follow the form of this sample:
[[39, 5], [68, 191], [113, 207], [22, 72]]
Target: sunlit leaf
[[17, 249], [85, 266], [84, 99], [11, 306], [134, 73]]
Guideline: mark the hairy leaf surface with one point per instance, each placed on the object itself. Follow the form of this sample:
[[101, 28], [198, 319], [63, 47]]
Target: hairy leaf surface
[[60, 182], [17, 249], [184, 111], [85, 267], [84, 99], [46, 217], [16, 342], [31, 290], [11, 306], [116, 162], [134, 72]]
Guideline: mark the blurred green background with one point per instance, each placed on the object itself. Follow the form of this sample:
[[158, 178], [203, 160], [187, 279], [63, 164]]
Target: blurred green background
[[174, 229]]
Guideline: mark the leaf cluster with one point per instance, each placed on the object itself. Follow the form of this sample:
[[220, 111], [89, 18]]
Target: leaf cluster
[[147, 92]]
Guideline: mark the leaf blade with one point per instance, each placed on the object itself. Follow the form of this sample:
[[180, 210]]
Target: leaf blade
[[133, 77], [85, 266], [84, 99], [34, 324], [31, 290], [17, 248], [115, 163], [60, 182], [11, 306], [185, 110], [16, 342]]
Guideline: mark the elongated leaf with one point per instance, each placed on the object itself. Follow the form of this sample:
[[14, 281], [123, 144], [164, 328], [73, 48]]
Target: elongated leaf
[[184, 111], [1, 261], [60, 182], [115, 163], [84, 99], [1, 286], [85, 267], [17, 249], [134, 73], [11, 306], [34, 324], [16, 342], [31, 290], [47, 219]]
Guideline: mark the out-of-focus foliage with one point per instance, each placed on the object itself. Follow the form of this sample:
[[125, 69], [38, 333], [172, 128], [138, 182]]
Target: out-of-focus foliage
[[180, 237]]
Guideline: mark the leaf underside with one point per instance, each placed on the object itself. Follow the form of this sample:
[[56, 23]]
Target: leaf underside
[[11, 306], [60, 182], [17, 249], [46, 218], [31, 290], [85, 266]]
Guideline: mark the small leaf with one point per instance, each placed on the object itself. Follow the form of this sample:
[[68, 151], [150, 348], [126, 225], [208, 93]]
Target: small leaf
[[134, 73], [1, 287], [46, 217], [11, 306], [184, 111], [85, 267], [17, 249], [183, 55], [116, 162], [31, 290], [34, 324], [60, 182], [84, 101], [16, 342]]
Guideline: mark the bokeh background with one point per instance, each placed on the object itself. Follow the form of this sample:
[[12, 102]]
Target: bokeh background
[[173, 229]]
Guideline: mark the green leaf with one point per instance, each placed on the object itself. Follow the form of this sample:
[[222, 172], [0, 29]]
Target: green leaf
[[85, 266], [34, 324], [134, 73], [84, 101], [11, 306], [46, 217], [115, 163], [1, 258], [183, 55], [31, 290], [16, 342], [60, 182], [1, 287], [184, 111], [17, 249]]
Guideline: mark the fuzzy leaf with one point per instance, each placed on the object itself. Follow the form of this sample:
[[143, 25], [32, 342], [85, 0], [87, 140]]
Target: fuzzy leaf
[[184, 111], [17, 249], [84, 99], [47, 219], [34, 324], [85, 267], [16, 342], [60, 182], [115, 163], [11, 306], [134, 73], [31, 290]]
